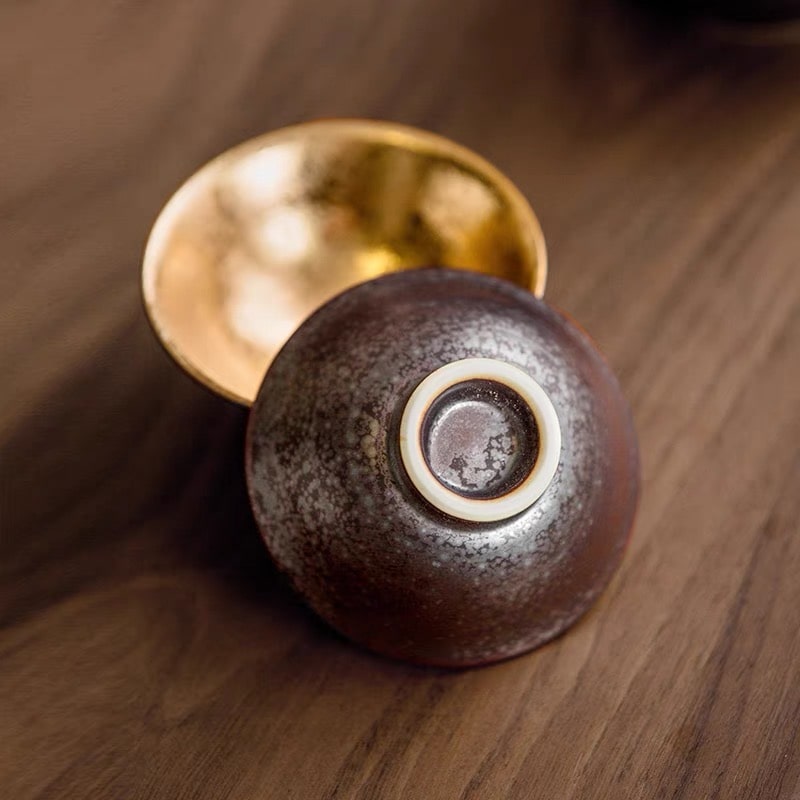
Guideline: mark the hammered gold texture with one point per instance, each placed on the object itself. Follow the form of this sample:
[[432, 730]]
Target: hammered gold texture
[[266, 233]]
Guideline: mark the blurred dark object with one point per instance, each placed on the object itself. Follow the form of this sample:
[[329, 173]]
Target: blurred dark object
[[752, 11]]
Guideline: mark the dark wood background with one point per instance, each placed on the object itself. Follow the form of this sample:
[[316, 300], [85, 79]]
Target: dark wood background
[[148, 649]]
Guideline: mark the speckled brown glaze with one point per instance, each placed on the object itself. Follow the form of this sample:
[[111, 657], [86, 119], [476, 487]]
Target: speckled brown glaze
[[341, 518]]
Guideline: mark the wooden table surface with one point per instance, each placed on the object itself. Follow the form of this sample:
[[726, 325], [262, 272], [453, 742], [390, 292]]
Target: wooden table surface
[[149, 649]]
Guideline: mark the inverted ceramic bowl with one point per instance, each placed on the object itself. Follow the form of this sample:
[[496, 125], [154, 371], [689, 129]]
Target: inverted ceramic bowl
[[269, 231], [444, 466]]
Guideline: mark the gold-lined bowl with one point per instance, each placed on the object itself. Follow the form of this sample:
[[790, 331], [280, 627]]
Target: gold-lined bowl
[[266, 233]]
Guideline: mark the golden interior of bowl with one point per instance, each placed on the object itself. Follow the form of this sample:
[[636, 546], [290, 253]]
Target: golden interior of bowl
[[266, 233]]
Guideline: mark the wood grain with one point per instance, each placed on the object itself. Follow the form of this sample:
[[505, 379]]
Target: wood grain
[[147, 647]]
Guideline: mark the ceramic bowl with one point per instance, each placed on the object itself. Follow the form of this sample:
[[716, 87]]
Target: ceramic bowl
[[444, 466], [269, 231]]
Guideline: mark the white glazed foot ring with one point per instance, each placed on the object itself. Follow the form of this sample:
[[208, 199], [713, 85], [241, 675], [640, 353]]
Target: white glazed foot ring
[[432, 488]]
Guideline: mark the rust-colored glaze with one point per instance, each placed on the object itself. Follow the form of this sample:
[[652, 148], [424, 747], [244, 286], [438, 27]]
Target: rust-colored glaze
[[339, 514]]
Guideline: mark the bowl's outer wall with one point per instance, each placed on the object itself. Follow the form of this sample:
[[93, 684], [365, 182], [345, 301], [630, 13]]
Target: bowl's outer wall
[[338, 512]]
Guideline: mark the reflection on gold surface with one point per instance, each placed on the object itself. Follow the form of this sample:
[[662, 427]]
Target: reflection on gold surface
[[455, 205], [285, 235], [263, 235]]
